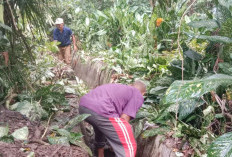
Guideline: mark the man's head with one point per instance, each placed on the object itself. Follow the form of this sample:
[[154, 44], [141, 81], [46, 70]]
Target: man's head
[[59, 23], [140, 86]]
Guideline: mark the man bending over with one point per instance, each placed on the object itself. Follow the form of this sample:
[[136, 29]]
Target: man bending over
[[111, 107]]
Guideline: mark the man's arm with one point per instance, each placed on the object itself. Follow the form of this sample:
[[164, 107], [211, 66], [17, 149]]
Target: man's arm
[[125, 117], [74, 43]]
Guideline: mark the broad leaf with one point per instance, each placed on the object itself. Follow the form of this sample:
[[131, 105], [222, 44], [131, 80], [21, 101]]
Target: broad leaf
[[181, 91], [4, 131], [220, 39], [138, 128], [33, 110], [187, 107], [204, 23], [184, 96], [73, 122], [63, 132], [193, 55], [226, 68], [5, 27], [143, 114], [155, 131], [222, 146], [21, 134], [75, 137], [225, 3], [59, 140], [7, 139], [157, 90], [79, 143]]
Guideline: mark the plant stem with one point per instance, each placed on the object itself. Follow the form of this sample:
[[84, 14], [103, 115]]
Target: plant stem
[[181, 56], [46, 127], [178, 40]]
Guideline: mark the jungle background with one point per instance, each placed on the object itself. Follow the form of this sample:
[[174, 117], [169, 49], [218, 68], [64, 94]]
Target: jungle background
[[180, 48]]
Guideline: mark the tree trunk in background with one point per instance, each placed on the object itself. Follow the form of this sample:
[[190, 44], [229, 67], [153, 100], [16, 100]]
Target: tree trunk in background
[[152, 3], [9, 19]]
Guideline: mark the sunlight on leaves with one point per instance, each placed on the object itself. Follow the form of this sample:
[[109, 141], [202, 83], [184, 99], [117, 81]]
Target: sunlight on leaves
[[21, 134]]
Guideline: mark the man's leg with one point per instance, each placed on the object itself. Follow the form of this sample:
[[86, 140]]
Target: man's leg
[[61, 54], [117, 131], [100, 139], [67, 54], [121, 138], [100, 142]]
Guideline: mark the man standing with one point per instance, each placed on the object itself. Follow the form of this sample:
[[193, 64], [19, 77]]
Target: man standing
[[111, 107], [63, 35]]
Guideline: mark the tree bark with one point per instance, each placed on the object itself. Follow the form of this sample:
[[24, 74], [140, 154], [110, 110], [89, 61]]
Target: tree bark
[[9, 20]]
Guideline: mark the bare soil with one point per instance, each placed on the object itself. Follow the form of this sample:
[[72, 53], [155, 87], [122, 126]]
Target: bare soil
[[15, 120]]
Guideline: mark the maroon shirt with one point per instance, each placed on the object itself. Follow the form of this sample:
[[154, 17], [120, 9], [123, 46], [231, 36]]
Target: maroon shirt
[[112, 100]]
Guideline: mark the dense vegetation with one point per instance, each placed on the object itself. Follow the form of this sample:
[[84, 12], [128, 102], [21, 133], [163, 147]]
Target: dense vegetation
[[180, 48]]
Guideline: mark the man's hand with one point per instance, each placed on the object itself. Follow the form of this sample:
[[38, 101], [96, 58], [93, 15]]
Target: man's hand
[[125, 117], [74, 43]]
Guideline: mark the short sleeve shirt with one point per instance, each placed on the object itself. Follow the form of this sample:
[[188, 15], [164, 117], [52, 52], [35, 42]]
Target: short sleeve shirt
[[112, 100], [63, 37]]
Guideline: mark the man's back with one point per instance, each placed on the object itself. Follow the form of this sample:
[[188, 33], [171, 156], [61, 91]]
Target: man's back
[[111, 100]]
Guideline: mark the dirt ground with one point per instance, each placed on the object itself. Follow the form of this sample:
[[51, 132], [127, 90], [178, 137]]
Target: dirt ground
[[15, 120]]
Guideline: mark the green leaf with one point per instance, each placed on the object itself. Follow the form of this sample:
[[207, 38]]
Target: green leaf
[[138, 128], [100, 13], [4, 131], [75, 137], [157, 90], [226, 68], [191, 131], [184, 90], [73, 122], [59, 140], [188, 106], [225, 3], [208, 110], [220, 39], [7, 139], [221, 147], [21, 134], [204, 23], [155, 131], [5, 27], [80, 143], [193, 55], [143, 114], [33, 110], [63, 132], [184, 96]]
